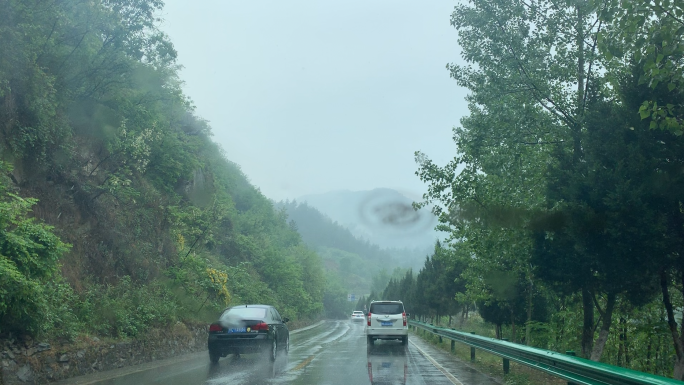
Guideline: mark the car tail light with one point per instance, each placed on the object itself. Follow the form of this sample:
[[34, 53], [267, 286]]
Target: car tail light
[[215, 328], [260, 326], [369, 315], [403, 315]]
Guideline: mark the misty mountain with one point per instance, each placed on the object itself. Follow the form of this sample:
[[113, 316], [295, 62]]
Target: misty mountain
[[319, 230], [384, 217], [357, 260]]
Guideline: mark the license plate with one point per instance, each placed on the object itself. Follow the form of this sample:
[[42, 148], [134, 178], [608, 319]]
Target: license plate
[[386, 323], [237, 330]]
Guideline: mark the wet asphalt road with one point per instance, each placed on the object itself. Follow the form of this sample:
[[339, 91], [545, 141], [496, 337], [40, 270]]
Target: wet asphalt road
[[333, 352]]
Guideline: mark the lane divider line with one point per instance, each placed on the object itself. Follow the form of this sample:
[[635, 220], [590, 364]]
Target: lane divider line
[[295, 331], [308, 360], [303, 363], [448, 375]]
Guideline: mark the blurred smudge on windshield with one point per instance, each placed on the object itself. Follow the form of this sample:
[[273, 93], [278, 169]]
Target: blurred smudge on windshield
[[394, 215]]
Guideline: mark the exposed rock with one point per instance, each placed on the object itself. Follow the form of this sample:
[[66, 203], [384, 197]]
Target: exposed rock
[[43, 346], [25, 374], [91, 354]]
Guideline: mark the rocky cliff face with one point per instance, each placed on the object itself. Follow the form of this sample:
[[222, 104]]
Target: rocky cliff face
[[40, 362]]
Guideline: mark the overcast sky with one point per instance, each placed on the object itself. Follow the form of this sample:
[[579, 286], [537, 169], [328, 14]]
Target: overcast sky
[[313, 96]]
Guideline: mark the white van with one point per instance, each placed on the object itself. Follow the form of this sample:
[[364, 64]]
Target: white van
[[387, 321]]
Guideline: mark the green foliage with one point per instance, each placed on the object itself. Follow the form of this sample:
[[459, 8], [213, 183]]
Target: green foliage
[[29, 254], [649, 34], [126, 309], [93, 119], [335, 299], [562, 193]]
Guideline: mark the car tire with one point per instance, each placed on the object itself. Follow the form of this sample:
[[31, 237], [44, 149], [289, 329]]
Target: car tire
[[214, 357], [287, 345], [371, 341], [273, 354], [404, 340]]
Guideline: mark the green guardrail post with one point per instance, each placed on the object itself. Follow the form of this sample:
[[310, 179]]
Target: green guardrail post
[[453, 346], [472, 351], [440, 339], [506, 362], [571, 353]]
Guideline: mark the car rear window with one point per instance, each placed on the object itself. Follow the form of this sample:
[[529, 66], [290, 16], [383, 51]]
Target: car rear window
[[358, 312], [387, 308], [245, 313]]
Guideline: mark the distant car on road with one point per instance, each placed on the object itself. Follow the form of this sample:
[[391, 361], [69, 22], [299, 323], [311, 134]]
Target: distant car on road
[[248, 329], [387, 321], [358, 316]]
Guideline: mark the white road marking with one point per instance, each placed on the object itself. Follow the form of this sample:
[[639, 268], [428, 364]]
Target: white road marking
[[448, 375], [295, 331]]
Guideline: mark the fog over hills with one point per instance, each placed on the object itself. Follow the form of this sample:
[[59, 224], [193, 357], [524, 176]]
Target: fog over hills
[[382, 216]]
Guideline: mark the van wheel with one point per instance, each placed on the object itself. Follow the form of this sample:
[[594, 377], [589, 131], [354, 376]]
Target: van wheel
[[404, 340], [214, 357], [371, 341]]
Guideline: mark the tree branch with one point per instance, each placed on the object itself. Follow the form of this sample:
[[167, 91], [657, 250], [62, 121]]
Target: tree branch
[[559, 112], [598, 307], [668, 13]]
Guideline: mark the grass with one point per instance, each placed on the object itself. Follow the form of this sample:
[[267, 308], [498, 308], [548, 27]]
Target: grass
[[490, 364]]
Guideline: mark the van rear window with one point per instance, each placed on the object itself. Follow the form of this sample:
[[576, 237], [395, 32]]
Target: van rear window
[[387, 308]]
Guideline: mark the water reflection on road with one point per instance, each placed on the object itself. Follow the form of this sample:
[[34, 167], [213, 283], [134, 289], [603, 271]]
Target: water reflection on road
[[387, 364]]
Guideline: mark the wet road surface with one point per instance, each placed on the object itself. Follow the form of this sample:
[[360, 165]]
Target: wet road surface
[[334, 352]]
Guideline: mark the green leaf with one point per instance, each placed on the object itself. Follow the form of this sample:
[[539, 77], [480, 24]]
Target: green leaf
[[671, 86]]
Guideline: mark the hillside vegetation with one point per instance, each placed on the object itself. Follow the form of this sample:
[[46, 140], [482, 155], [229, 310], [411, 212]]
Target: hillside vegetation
[[117, 211]]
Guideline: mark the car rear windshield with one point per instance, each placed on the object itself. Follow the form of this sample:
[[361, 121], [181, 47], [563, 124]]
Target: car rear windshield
[[358, 312], [387, 308], [246, 313]]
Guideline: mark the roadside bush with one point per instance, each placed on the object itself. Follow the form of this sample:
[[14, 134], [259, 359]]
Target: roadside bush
[[29, 252], [60, 319], [127, 309]]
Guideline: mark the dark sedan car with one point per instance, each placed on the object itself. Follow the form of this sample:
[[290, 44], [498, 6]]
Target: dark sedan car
[[248, 329]]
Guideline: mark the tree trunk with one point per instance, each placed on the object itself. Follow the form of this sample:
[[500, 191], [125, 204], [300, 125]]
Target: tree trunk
[[512, 326], [597, 350], [528, 325], [463, 317], [672, 324], [588, 326], [648, 355], [625, 342]]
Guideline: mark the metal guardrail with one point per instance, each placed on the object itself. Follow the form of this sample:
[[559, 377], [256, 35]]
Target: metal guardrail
[[576, 370]]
